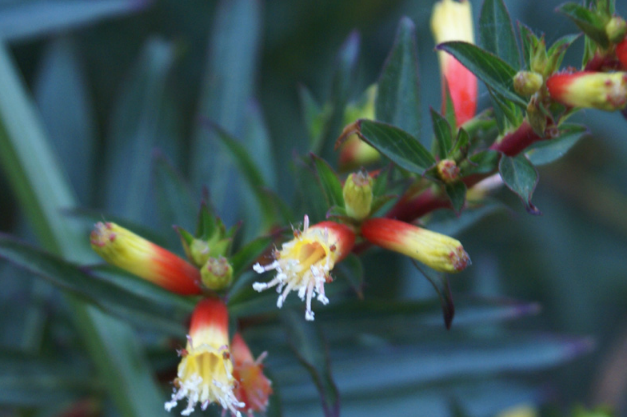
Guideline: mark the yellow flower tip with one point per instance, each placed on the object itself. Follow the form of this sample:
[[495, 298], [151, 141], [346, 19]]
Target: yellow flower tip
[[452, 21], [358, 195], [205, 374], [304, 263], [448, 171], [217, 273], [126, 250], [604, 91], [437, 251], [253, 387]]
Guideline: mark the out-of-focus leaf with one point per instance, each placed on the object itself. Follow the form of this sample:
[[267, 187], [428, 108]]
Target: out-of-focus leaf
[[443, 289], [526, 37], [100, 292], [497, 33], [62, 97], [43, 193], [456, 192], [247, 255], [27, 19], [312, 113], [521, 177], [251, 174], [548, 151], [343, 82], [174, 197], [309, 346], [29, 381], [482, 162], [257, 137], [462, 141], [402, 148], [352, 269], [450, 224], [136, 125], [587, 21], [443, 134], [489, 68], [227, 88], [329, 182], [398, 95], [506, 113]]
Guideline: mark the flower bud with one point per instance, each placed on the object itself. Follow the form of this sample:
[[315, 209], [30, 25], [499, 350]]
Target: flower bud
[[527, 83], [604, 91], [448, 171], [435, 250], [358, 195], [616, 29], [126, 250], [217, 273], [452, 21]]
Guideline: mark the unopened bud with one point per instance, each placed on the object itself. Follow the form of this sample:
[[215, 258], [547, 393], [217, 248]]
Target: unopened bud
[[448, 170], [358, 195], [217, 273], [604, 91], [616, 29], [527, 83]]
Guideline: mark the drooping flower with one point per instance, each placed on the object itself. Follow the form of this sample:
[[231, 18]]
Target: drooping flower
[[133, 253], [253, 387], [599, 90], [438, 251], [452, 21], [205, 374], [304, 263]]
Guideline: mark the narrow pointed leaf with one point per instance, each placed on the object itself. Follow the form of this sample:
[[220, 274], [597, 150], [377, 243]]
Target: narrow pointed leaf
[[329, 182], [308, 344], [497, 32], [587, 21], [521, 177], [402, 148], [248, 255], [398, 95], [443, 134], [456, 192], [312, 114], [547, 151], [489, 68]]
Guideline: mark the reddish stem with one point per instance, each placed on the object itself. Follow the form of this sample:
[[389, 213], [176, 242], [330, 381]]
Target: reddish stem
[[515, 142]]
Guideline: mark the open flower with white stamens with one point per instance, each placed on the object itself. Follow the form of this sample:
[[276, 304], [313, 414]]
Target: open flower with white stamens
[[205, 374], [304, 263]]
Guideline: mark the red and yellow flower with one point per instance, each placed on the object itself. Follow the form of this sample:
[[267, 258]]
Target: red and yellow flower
[[304, 263], [133, 253], [253, 387], [599, 90]]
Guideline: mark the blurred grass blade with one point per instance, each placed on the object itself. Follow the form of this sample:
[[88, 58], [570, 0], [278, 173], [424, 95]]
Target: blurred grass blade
[[330, 183], [27, 381], [27, 19], [136, 125], [43, 191], [309, 346], [228, 84], [136, 307], [66, 110], [398, 95]]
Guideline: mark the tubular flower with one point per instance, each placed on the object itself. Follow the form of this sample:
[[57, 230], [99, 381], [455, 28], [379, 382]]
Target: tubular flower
[[304, 263], [452, 21], [254, 388], [435, 250], [599, 90], [133, 253], [205, 374]]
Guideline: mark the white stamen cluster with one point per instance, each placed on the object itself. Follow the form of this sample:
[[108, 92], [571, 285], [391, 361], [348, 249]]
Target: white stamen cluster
[[293, 276]]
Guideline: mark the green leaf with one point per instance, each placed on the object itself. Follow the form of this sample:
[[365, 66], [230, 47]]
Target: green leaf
[[497, 33], [352, 270], [343, 81], [136, 125], [228, 84], [28, 381], [40, 187], [443, 134], [251, 174], [398, 95], [529, 41], [443, 289], [521, 177], [247, 255], [483, 162], [506, 113], [174, 197], [489, 68], [547, 151], [456, 192], [461, 144], [135, 307], [313, 115], [588, 21], [330, 183], [29, 19], [451, 224], [402, 148], [308, 344]]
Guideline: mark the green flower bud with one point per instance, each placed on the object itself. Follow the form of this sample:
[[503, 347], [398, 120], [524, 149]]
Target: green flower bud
[[358, 195], [217, 273], [527, 83], [616, 29]]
